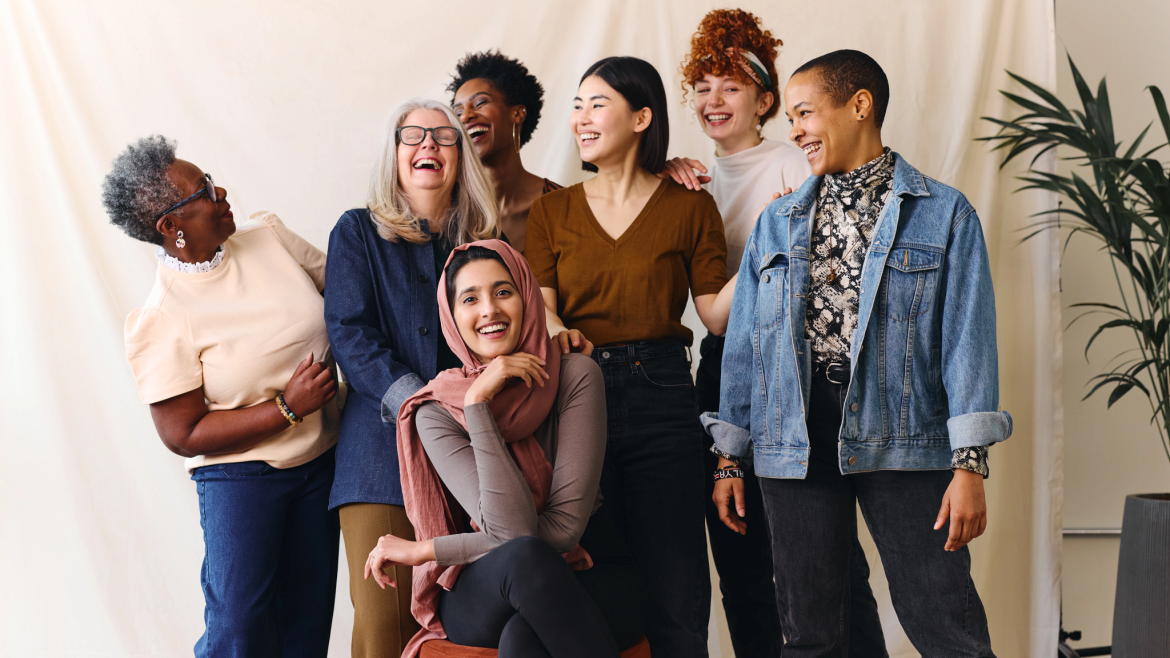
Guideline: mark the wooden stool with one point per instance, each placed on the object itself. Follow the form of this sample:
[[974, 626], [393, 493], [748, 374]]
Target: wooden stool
[[445, 649]]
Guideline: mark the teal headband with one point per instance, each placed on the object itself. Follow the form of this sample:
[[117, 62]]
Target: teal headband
[[761, 78], [750, 64]]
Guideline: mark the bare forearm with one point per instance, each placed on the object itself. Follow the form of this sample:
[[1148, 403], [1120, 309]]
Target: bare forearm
[[555, 325], [219, 432], [422, 552], [714, 310], [236, 430]]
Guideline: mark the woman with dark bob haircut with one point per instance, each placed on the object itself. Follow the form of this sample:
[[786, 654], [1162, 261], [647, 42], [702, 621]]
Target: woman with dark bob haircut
[[230, 352], [616, 257], [499, 103]]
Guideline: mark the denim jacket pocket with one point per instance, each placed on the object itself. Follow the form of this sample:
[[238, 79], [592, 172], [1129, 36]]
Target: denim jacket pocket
[[909, 281], [773, 291]]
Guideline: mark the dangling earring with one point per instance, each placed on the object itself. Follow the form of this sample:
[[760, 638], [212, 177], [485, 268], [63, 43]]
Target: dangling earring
[[180, 242], [516, 136]]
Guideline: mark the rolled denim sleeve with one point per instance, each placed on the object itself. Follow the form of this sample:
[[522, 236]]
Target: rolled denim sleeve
[[399, 392], [362, 351], [731, 427], [970, 357]]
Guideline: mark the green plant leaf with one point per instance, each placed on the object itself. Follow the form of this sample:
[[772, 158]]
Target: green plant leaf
[[1160, 106], [1112, 324], [1046, 95]]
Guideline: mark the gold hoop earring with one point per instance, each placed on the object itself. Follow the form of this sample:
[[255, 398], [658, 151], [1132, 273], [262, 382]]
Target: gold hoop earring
[[516, 136]]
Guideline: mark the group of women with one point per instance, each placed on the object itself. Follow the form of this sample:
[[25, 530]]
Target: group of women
[[518, 461]]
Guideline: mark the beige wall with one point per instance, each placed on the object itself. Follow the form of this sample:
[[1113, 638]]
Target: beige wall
[[1108, 453]]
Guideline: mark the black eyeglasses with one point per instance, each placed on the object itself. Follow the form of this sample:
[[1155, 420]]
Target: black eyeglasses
[[412, 135], [208, 189]]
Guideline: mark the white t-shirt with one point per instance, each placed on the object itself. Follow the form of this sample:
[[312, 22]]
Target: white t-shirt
[[743, 182], [238, 332]]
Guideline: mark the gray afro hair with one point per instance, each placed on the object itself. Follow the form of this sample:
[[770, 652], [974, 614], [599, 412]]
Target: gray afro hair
[[137, 189]]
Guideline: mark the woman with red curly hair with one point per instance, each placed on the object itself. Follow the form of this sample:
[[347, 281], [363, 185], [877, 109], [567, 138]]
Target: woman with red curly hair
[[730, 73]]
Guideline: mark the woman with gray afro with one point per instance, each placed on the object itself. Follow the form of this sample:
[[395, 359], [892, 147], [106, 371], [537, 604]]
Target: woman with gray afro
[[231, 354]]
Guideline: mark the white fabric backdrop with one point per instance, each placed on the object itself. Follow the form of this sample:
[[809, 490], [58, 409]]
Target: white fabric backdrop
[[100, 543]]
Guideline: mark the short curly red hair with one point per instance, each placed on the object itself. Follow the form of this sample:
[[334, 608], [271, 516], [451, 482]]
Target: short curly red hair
[[731, 28]]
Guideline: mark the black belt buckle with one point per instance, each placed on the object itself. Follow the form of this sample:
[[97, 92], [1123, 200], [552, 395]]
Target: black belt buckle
[[837, 372]]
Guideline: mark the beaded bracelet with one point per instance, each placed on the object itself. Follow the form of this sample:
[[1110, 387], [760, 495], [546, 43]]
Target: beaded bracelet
[[288, 414], [729, 472]]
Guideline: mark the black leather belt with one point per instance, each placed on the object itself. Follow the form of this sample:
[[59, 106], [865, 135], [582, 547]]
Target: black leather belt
[[835, 372]]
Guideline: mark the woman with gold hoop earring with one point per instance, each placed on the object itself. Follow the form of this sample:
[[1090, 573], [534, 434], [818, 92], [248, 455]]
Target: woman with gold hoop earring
[[494, 95]]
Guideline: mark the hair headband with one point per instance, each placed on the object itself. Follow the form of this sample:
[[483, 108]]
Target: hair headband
[[752, 66]]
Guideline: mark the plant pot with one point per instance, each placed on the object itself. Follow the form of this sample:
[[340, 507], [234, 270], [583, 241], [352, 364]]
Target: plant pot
[[1141, 611]]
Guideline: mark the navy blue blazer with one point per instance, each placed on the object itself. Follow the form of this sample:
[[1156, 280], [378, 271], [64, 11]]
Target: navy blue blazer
[[383, 322]]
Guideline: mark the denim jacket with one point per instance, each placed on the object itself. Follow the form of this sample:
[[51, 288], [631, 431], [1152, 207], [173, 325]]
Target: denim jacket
[[924, 375], [383, 322]]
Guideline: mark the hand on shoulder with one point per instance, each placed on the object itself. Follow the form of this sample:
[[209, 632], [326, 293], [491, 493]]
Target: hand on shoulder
[[775, 195], [687, 172]]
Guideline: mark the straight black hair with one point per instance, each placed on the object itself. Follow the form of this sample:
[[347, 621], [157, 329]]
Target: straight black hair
[[639, 83], [843, 73], [461, 258]]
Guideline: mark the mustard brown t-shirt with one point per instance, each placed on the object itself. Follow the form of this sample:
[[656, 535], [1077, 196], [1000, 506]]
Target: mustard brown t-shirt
[[632, 289]]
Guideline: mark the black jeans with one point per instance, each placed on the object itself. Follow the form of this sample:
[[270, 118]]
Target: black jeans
[[652, 483], [614, 582], [523, 599], [744, 562], [814, 525]]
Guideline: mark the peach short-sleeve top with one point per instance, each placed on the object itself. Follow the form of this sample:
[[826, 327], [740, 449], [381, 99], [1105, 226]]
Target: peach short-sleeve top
[[238, 332]]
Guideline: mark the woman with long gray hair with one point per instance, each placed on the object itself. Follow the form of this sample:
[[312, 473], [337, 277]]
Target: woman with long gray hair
[[230, 352], [428, 194]]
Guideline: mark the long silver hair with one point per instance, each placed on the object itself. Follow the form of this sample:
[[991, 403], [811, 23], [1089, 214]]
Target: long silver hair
[[473, 214]]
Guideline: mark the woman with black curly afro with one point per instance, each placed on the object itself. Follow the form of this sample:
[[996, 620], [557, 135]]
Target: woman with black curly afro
[[730, 75], [499, 102]]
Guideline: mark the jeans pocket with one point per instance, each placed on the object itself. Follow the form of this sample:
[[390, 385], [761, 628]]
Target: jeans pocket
[[666, 373], [245, 469]]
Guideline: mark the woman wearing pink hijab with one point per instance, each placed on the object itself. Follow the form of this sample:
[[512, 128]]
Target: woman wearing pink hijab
[[501, 463]]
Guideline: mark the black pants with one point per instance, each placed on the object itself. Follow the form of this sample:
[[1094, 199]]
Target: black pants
[[744, 562], [652, 483], [814, 529], [614, 582], [523, 599]]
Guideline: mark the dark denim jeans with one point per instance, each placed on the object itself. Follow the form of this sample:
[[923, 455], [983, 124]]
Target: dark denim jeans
[[814, 524], [270, 567], [652, 481], [744, 562]]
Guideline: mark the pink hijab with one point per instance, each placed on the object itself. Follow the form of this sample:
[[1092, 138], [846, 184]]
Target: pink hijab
[[518, 411]]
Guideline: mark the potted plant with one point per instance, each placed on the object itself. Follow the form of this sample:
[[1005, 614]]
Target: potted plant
[[1126, 205]]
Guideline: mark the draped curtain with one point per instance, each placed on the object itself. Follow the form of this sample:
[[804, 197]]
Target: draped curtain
[[100, 543]]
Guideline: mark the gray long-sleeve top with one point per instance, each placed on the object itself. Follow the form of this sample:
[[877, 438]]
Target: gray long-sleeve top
[[477, 467]]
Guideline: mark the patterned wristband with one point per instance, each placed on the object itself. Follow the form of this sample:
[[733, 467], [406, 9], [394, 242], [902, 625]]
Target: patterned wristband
[[719, 453], [729, 472], [288, 414]]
